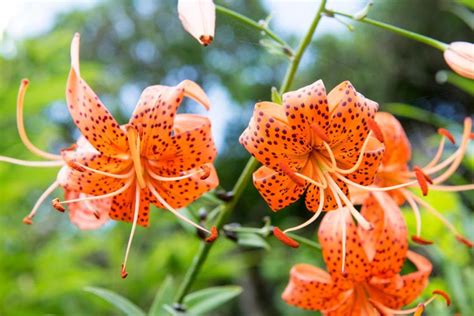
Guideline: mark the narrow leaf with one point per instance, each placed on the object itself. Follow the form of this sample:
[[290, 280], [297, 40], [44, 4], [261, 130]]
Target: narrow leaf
[[252, 240], [204, 301], [117, 300], [163, 295]]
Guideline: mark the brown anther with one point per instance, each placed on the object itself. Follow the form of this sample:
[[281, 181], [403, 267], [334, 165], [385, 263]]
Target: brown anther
[[374, 127], [25, 82], [345, 274], [214, 234], [27, 220], [419, 310], [206, 39], [447, 134], [284, 238], [319, 131], [444, 295], [206, 172], [421, 241], [422, 181], [123, 273], [464, 240], [290, 173], [96, 214], [427, 177], [57, 205]]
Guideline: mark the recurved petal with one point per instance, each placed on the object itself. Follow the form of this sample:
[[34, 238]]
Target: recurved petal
[[123, 206], [198, 19], [312, 288], [357, 265], [190, 146], [277, 189], [386, 245], [399, 291], [89, 114], [271, 140], [305, 107], [181, 193], [397, 145], [88, 215]]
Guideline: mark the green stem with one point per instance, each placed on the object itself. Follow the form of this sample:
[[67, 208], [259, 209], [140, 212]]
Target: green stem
[[303, 240], [252, 23], [290, 74], [405, 33], [252, 163]]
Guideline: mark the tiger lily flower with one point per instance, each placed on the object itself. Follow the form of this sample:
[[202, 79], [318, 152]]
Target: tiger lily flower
[[159, 157], [460, 57], [395, 178], [366, 280], [313, 143], [198, 18]]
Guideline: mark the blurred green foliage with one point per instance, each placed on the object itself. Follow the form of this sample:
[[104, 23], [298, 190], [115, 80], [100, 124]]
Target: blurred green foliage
[[130, 44]]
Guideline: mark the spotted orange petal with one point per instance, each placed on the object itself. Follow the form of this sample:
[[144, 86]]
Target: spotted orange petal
[[88, 215], [89, 114], [397, 145], [277, 189], [305, 107], [312, 288], [386, 244], [313, 194], [123, 206], [402, 290], [357, 265], [270, 139], [189, 147]]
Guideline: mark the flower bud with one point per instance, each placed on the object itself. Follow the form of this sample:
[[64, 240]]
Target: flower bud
[[460, 58], [198, 19]]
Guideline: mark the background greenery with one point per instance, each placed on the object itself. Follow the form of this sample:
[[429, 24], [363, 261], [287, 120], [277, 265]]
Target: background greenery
[[127, 46]]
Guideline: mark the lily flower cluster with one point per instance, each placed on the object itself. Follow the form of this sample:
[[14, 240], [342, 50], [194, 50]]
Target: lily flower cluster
[[338, 150], [116, 171]]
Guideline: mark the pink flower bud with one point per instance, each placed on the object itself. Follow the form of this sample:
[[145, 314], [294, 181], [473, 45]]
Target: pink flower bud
[[198, 19], [460, 58]]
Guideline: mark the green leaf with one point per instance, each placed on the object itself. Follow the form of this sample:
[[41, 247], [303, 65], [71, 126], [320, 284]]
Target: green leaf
[[117, 300], [415, 113], [276, 97], [163, 295], [252, 240], [204, 301]]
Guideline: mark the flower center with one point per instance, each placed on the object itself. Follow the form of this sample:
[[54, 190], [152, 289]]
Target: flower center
[[134, 147]]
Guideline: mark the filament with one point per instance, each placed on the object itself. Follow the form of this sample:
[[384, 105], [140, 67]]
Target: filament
[[312, 181], [313, 218], [185, 176], [437, 156], [375, 189], [132, 232], [99, 197], [344, 233], [21, 126], [38, 203], [418, 310], [416, 211], [107, 174], [26, 163], [453, 188]]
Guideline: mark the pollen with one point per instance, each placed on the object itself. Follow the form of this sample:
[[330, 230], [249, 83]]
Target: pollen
[[27, 220], [214, 234], [464, 240], [57, 205], [447, 134], [123, 272], [290, 173], [284, 238], [421, 241], [422, 179], [444, 295], [206, 172]]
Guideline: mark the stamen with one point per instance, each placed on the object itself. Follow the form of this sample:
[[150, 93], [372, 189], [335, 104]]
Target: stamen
[[375, 189], [344, 242], [421, 241], [177, 214], [444, 295], [438, 155], [204, 170], [281, 236], [313, 218], [132, 232], [418, 310], [290, 173], [28, 219], [374, 127], [465, 241], [83, 168], [57, 205], [320, 133], [427, 178], [422, 181], [452, 188], [214, 234], [134, 147], [444, 132], [312, 181], [416, 211], [21, 127], [26, 163], [99, 197]]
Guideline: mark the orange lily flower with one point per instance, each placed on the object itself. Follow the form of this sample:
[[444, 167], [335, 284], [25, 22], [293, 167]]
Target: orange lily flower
[[159, 157], [394, 175], [309, 144], [367, 280]]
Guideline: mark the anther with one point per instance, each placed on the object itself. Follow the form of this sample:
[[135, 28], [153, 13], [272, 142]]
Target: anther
[[374, 127], [214, 234], [471, 136], [57, 205], [284, 238], [447, 134], [427, 177], [444, 295], [464, 240], [421, 241], [123, 272], [422, 180], [96, 214], [206, 172], [27, 220], [206, 39], [290, 173], [319, 131]]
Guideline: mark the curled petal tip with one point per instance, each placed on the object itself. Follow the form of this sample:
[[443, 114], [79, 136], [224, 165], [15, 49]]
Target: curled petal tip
[[57, 205], [375, 128], [447, 134], [421, 241], [444, 295], [27, 220], [281, 236], [464, 240], [214, 234]]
